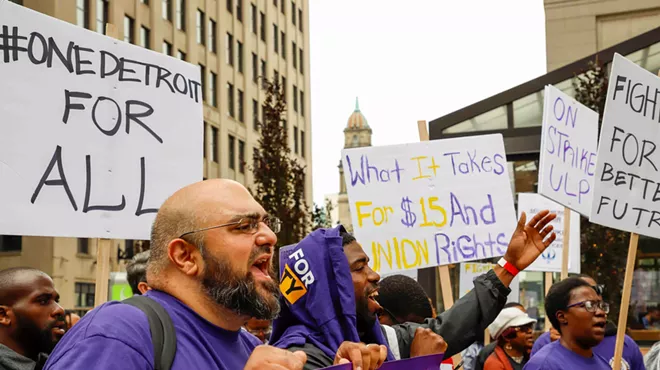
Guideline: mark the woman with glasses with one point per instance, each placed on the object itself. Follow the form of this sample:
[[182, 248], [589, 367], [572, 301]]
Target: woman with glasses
[[579, 314], [512, 330]]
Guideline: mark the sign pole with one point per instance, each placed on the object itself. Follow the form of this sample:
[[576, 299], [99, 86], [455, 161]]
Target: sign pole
[[548, 284], [566, 239], [103, 245], [443, 271], [625, 301]]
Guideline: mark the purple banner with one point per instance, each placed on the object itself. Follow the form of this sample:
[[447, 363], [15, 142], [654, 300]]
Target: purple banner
[[431, 362]]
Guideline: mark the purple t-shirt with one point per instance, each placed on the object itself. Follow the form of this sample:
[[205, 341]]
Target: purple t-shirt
[[632, 357], [116, 336], [555, 357]]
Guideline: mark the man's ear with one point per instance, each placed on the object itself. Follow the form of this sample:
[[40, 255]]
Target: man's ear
[[5, 315], [561, 317], [185, 257]]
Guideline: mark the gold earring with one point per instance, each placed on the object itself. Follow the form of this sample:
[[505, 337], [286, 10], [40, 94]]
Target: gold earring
[[508, 347]]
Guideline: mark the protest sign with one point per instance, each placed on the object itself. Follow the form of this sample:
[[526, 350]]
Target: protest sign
[[551, 259], [568, 151], [430, 203], [95, 133], [430, 362], [472, 270]]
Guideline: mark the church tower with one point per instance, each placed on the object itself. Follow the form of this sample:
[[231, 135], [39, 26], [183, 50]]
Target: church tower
[[356, 134]]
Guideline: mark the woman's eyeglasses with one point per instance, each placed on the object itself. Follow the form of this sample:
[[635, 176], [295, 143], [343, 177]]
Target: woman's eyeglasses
[[592, 306]]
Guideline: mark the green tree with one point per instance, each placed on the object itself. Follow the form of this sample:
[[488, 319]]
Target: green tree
[[279, 179], [604, 250]]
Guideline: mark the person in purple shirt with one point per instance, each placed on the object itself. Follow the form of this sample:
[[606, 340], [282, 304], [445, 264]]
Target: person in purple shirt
[[580, 315], [632, 356], [211, 251]]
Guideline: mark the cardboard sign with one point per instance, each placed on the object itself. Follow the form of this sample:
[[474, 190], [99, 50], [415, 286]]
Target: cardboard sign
[[550, 260], [627, 188], [472, 270], [430, 203], [568, 151], [431, 362], [95, 133]]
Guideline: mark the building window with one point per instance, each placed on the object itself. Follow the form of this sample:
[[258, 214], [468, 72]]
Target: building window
[[214, 144], [129, 34], [302, 103], [232, 152], [11, 243], [181, 15], [295, 98], [230, 6], [302, 143], [101, 15], [145, 2], [253, 18], [200, 28], [241, 156], [263, 26], [255, 68], [276, 77], [239, 47], [255, 115], [230, 99], [239, 10], [283, 7], [167, 10], [284, 96], [293, 13], [213, 86], [264, 77], [241, 111], [202, 72], [300, 61], [294, 53], [275, 3], [295, 140], [83, 246], [283, 44], [212, 43], [300, 20], [85, 294], [181, 55], [230, 49], [276, 41], [205, 154], [167, 48], [145, 37], [82, 13], [263, 115]]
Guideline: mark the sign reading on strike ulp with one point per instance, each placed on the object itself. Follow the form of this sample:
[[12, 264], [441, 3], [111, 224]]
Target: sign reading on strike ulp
[[430, 203], [568, 151], [95, 133], [627, 188]]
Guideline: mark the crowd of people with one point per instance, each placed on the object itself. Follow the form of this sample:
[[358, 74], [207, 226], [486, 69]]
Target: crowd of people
[[209, 275]]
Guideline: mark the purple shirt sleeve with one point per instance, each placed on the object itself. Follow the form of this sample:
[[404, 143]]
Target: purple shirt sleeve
[[636, 358], [100, 353], [541, 341]]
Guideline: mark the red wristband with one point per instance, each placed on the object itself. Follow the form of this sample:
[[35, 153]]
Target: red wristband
[[508, 266]]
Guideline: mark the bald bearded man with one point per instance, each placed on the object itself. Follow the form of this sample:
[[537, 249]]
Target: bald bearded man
[[31, 320], [211, 251]]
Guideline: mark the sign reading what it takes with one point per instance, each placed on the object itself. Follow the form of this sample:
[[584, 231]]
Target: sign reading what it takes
[[430, 203]]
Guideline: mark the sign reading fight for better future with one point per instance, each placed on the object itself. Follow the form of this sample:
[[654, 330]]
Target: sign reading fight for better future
[[430, 203], [568, 151], [550, 260], [627, 187], [95, 133]]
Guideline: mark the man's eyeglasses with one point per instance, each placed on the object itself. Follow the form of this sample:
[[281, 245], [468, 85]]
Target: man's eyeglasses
[[592, 306], [247, 225]]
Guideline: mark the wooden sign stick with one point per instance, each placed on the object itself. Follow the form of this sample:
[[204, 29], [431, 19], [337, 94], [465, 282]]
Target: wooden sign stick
[[548, 284], [443, 271], [566, 239], [625, 301], [103, 245]]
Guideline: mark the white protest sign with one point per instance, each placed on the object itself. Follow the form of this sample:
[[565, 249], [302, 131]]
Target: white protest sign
[[568, 151], [550, 259], [472, 270], [627, 188], [95, 133], [430, 203]]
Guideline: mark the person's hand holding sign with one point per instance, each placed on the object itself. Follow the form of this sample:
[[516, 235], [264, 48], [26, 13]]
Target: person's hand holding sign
[[527, 243], [363, 357], [426, 342]]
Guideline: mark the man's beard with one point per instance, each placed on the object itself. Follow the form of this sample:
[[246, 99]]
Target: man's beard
[[34, 339], [239, 293], [365, 319]]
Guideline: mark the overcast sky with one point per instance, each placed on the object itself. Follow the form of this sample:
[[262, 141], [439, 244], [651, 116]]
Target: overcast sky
[[411, 60]]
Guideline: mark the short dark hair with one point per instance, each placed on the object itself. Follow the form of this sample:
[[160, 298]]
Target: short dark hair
[[7, 281], [346, 238], [136, 271], [401, 296], [559, 296], [513, 304]]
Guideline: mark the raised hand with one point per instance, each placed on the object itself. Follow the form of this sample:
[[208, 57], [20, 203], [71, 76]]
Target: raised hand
[[530, 239]]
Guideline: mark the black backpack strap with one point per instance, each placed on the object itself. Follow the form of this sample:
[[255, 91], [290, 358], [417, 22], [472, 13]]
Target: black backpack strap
[[163, 334]]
